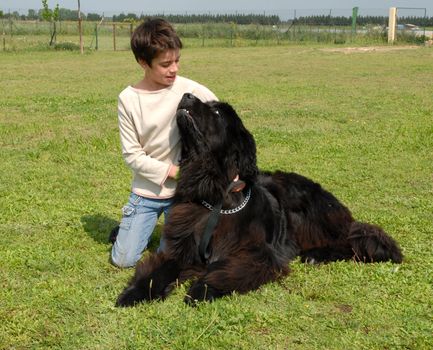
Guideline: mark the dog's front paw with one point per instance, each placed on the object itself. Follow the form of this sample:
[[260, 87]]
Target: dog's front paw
[[200, 291], [130, 297]]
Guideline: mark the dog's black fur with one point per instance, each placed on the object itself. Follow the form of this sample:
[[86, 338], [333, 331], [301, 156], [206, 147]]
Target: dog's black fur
[[287, 215]]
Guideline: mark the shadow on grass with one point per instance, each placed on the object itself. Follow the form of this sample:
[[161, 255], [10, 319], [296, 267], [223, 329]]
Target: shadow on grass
[[98, 227]]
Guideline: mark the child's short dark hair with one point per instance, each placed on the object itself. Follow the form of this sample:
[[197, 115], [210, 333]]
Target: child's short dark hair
[[152, 37]]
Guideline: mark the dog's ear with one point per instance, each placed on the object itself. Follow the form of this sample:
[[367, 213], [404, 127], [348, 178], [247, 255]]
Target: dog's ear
[[246, 160], [241, 147]]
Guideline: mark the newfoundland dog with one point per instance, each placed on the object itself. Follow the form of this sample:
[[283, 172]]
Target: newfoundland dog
[[233, 228]]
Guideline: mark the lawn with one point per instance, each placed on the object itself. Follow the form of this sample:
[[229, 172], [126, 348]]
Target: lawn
[[360, 123]]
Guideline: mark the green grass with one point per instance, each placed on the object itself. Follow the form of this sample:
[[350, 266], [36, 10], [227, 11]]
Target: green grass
[[360, 123]]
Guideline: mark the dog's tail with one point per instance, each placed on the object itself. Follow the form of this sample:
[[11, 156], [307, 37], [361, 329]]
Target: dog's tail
[[371, 244]]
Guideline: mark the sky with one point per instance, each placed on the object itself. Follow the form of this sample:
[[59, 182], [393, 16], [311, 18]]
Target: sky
[[284, 8]]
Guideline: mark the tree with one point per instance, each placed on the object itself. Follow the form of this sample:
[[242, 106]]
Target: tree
[[93, 17], [51, 16], [32, 14]]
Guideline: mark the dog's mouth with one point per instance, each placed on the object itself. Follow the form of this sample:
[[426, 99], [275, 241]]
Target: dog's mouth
[[184, 113], [187, 124], [193, 139], [185, 119]]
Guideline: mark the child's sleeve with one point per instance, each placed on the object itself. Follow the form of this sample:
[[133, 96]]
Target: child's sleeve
[[204, 94]]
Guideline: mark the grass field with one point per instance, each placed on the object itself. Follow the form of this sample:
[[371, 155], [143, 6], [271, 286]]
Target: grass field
[[360, 123]]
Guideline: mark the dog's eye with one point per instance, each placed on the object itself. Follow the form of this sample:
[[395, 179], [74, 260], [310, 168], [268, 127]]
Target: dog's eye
[[217, 112]]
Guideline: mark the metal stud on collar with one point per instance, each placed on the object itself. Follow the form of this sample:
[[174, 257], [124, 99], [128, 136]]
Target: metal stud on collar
[[230, 211]]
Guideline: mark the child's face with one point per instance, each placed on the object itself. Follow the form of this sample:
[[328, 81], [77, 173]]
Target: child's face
[[164, 68]]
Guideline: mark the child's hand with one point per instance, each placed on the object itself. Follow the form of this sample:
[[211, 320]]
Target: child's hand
[[174, 172]]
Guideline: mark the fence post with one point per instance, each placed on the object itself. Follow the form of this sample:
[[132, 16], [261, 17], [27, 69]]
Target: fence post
[[294, 28], [354, 16], [96, 36], [10, 23], [4, 36], [392, 24], [80, 29], [114, 36]]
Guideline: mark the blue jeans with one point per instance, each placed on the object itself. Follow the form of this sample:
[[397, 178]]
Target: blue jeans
[[139, 219]]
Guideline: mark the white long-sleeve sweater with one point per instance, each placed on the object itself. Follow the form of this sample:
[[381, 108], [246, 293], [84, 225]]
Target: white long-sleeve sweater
[[149, 135]]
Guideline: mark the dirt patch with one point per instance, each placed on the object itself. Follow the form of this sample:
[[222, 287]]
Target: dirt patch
[[344, 308], [348, 50]]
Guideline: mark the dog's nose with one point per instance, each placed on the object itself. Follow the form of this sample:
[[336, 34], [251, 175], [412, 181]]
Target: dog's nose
[[187, 101]]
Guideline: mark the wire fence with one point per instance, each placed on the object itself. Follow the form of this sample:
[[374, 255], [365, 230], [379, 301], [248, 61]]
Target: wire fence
[[295, 26]]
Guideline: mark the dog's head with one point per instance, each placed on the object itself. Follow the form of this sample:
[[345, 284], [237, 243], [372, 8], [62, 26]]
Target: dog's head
[[214, 131]]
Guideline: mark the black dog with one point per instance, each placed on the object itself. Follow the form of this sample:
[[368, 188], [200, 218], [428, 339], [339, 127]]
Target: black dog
[[232, 228]]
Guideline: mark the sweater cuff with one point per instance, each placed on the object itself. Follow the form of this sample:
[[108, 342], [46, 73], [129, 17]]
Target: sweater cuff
[[166, 175]]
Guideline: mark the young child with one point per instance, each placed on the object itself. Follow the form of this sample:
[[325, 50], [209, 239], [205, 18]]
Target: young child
[[149, 135]]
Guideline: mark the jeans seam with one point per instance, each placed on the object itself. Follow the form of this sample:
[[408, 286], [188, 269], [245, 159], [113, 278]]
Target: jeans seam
[[137, 199]]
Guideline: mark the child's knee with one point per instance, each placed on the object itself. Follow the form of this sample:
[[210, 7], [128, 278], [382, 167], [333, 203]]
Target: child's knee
[[123, 260]]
